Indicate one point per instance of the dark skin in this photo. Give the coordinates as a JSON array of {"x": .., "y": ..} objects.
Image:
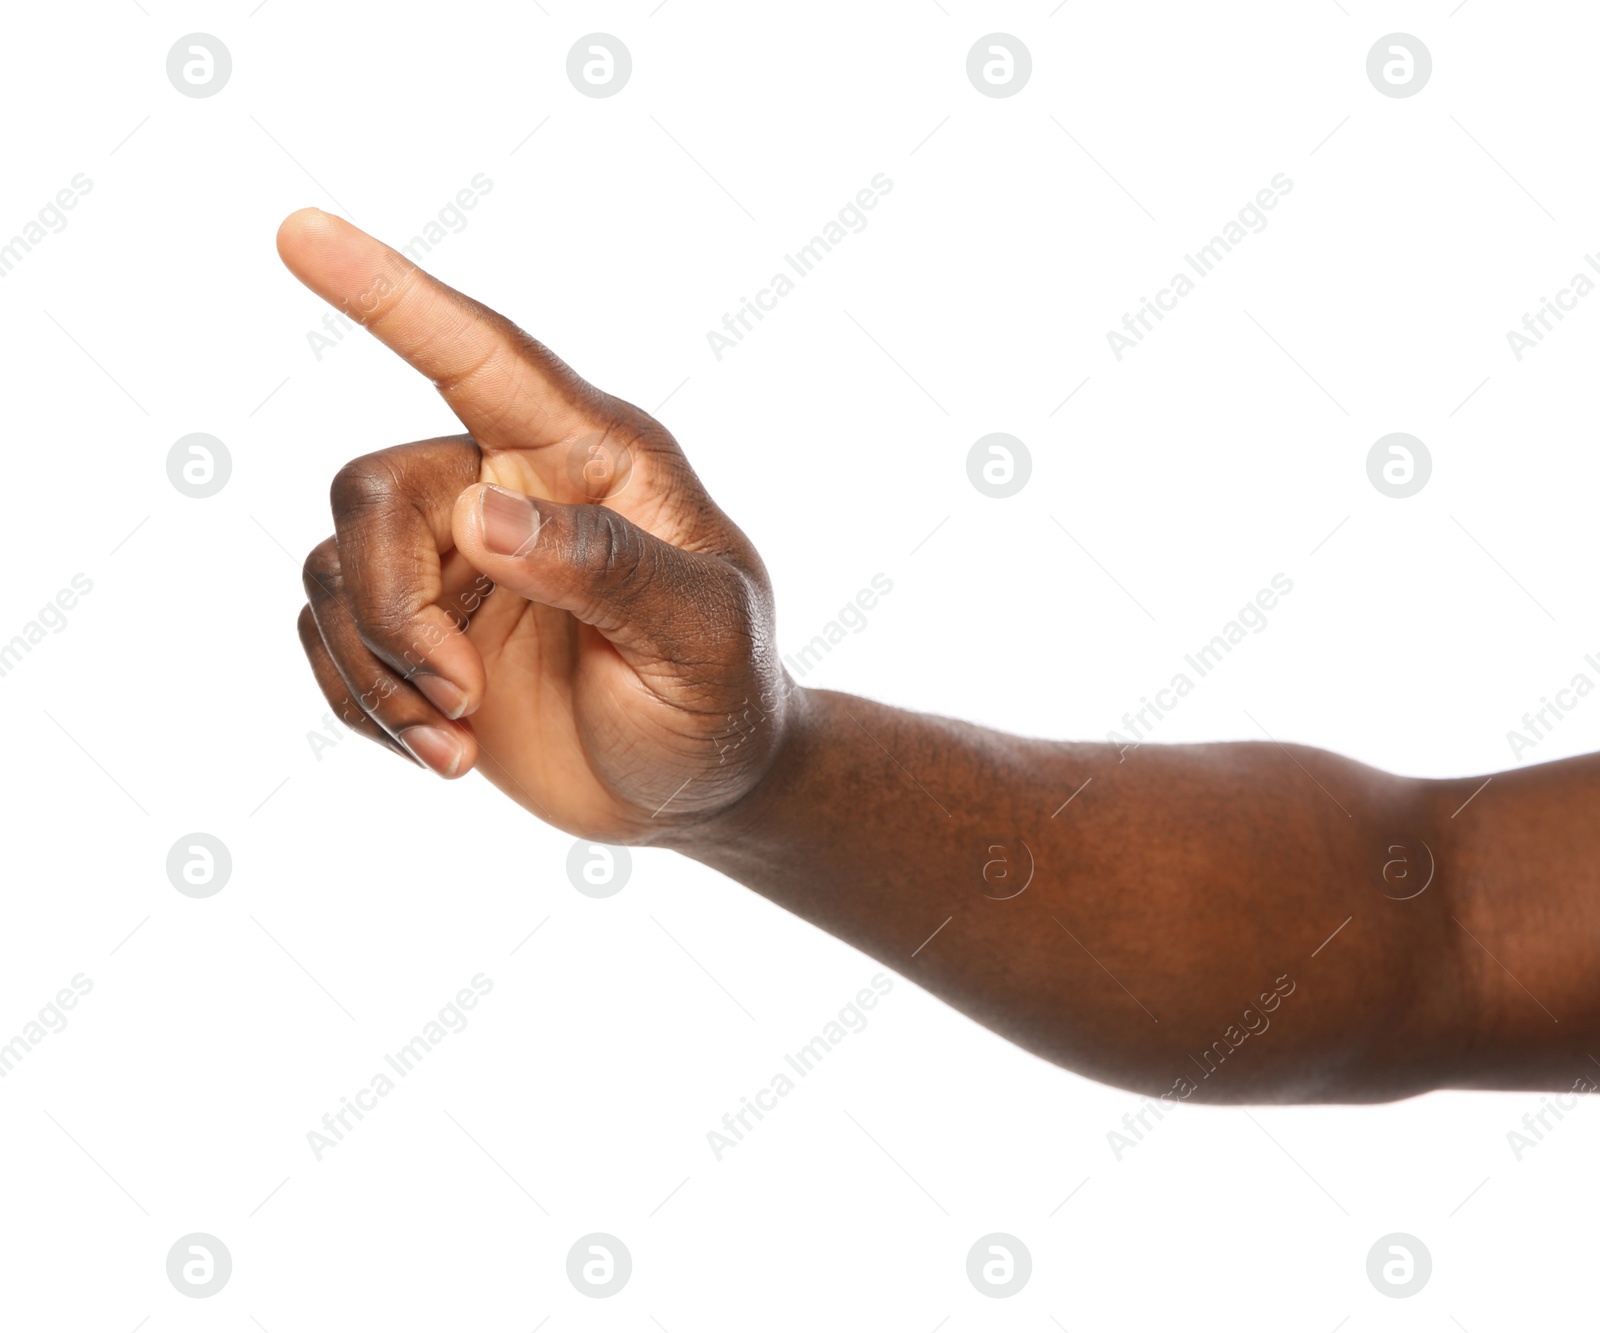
[{"x": 553, "y": 599}]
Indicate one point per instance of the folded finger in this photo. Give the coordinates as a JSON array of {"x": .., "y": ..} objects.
[
  {"x": 333, "y": 687},
  {"x": 384, "y": 695},
  {"x": 391, "y": 511}
]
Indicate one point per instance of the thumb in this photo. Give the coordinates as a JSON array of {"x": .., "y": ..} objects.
[{"x": 656, "y": 603}]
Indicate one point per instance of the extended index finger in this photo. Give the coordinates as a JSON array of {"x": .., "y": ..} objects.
[{"x": 510, "y": 391}]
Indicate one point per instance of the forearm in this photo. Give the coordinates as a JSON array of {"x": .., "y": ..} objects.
[
  {"x": 1180, "y": 896},
  {"x": 1523, "y": 859}
]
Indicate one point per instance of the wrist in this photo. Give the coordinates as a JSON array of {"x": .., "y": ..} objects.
[{"x": 797, "y": 719}]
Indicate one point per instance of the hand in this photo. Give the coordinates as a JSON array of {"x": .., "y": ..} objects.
[{"x": 553, "y": 598}]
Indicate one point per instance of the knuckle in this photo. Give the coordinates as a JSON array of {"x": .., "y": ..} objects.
[
  {"x": 734, "y": 605},
  {"x": 716, "y": 614},
  {"x": 305, "y": 625},
  {"x": 320, "y": 573},
  {"x": 485, "y": 362},
  {"x": 392, "y": 635},
  {"x": 374, "y": 700},
  {"x": 387, "y": 291},
  {"x": 614, "y": 552},
  {"x": 362, "y": 485}
]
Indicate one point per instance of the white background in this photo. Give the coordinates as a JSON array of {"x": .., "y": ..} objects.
[{"x": 364, "y": 894}]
